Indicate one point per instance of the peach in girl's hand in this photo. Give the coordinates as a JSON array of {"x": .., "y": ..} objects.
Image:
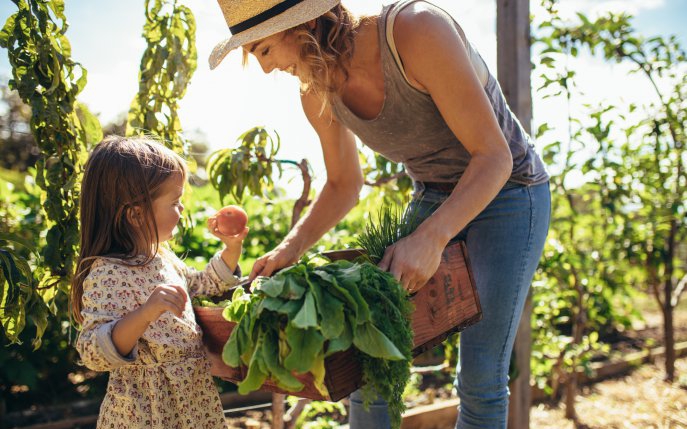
[{"x": 231, "y": 220}]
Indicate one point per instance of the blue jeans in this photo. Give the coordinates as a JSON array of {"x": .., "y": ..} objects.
[{"x": 505, "y": 242}]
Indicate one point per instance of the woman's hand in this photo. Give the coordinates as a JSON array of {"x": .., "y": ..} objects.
[
  {"x": 277, "y": 258},
  {"x": 170, "y": 298},
  {"x": 413, "y": 260}
]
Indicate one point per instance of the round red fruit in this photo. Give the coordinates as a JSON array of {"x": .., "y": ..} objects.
[{"x": 231, "y": 220}]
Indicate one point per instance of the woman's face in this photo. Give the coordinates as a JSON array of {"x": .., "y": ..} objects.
[{"x": 279, "y": 51}]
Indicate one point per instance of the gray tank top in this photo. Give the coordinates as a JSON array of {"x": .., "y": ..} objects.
[{"x": 410, "y": 129}]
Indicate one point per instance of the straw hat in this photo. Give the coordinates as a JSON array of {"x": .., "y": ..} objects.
[{"x": 251, "y": 20}]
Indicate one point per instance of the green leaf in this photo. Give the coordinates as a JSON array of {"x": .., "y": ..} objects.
[
  {"x": 292, "y": 288},
  {"x": 348, "y": 288},
  {"x": 256, "y": 375},
  {"x": 90, "y": 124},
  {"x": 330, "y": 310},
  {"x": 280, "y": 375},
  {"x": 371, "y": 341},
  {"x": 272, "y": 286},
  {"x": 342, "y": 342},
  {"x": 305, "y": 345},
  {"x": 307, "y": 316},
  {"x": 231, "y": 354}
]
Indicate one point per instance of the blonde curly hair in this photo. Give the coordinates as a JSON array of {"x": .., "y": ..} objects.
[{"x": 325, "y": 51}]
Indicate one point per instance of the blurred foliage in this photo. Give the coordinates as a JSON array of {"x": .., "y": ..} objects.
[
  {"x": 47, "y": 80},
  {"x": 18, "y": 149},
  {"x": 248, "y": 167},
  {"x": 318, "y": 414},
  {"x": 381, "y": 172},
  {"x": 618, "y": 220}
]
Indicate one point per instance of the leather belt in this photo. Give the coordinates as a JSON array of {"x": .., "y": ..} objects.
[{"x": 440, "y": 186}]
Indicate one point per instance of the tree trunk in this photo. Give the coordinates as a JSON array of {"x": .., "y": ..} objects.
[
  {"x": 514, "y": 76},
  {"x": 278, "y": 410},
  {"x": 579, "y": 322},
  {"x": 668, "y": 328}
]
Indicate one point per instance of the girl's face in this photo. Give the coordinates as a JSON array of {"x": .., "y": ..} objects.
[
  {"x": 167, "y": 207},
  {"x": 279, "y": 51}
]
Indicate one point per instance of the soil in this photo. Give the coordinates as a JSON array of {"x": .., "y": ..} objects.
[{"x": 639, "y": 400}]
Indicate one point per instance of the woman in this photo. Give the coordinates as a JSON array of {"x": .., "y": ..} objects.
[{"x": 411, "y": 87}]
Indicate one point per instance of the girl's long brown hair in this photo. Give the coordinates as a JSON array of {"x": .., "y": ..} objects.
[{"x": 121, "y": 175}]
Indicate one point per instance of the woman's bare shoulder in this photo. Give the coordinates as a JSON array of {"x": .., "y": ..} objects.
[
  {"x": 419, "y": 17},
  {"x": 428, "y": 41}
]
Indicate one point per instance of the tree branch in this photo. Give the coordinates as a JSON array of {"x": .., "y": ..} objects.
[
  {"x": 385, "y": 180},
  {"x": 303, "y": 201}
]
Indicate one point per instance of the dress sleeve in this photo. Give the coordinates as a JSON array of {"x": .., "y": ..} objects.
[
  {"x": 108, "y": 296},
  {"x": 214, "y": 280}
]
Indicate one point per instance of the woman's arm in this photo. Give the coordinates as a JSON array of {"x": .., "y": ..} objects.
[
  {"x": 338, "y": 196},
  {"x": 436, "y": 61}
]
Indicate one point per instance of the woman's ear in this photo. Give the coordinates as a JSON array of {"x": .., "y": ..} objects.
[{"x": 134, "y": 215}]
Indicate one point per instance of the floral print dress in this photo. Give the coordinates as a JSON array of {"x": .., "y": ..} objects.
[{"x": 165, "y": 382}]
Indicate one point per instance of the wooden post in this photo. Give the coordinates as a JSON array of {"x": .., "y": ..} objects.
[
  {"x": 278, "y": 409},
  {"x": 514, "y": 69}
]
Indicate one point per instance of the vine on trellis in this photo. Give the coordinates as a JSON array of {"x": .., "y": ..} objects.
[
  {"x": 167, "y": 66},
  {"x": 47, "y": 79}
]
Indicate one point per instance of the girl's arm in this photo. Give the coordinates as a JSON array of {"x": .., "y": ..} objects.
[
  {"x": 116, "y": 313},
  {"x": 436, "y": 61},
  {"x": 223, "y": 270},
  {"x": 129, "y": 329},
  {"x": 338, "y": 196}
]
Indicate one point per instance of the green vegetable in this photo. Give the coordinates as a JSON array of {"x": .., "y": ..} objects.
[
  {"x": 206, "y": 301},
  {"x": 295, "y": 319},
  {"x": 392, "y": 224}
]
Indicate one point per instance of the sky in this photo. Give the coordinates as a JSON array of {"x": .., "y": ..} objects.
[{"x": 223, "y": 103}]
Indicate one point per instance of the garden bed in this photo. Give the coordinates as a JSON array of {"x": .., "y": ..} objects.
[{"x": 640, "y": 399}]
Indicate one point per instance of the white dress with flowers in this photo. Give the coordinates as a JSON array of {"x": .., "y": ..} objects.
[{"x": 165, "y": 382}]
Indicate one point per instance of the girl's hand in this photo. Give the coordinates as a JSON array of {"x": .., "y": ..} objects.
[
  {"x": 277, "y": 258},
  {"x": 231, "y": 241},
  {"x": 170, "y": 298},
  {"x": 413, "y": 260}
]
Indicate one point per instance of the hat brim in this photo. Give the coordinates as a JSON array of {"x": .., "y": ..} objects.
[{"x": 296, "y": 15}]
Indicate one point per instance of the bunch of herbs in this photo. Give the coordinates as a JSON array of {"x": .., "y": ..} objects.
[{"x": 392, "y": 224}]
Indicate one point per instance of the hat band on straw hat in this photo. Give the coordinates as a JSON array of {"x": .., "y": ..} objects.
[
  {"x": 277, "y": 16},
  {"x": 264, "y": 16}
]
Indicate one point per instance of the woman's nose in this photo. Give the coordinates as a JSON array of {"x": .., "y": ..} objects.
[{"x": 267, "y": 66}]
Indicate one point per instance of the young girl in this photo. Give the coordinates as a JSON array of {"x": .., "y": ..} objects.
[{"x": 131, "y": 293}]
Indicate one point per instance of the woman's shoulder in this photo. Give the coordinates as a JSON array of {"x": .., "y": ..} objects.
[
  {"x": 424, "y": 34},
  {"x": 419, "y": 16}
]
